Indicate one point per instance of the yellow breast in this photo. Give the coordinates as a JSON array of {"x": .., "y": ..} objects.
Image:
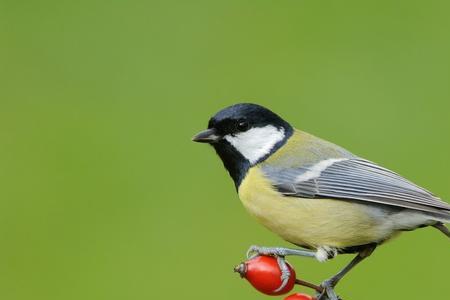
[{"x": 308, "y": 222}]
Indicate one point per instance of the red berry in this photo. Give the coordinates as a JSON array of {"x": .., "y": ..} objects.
[
  {"x": 264, "y": 274},
  {"x": 299, "y": 296}
]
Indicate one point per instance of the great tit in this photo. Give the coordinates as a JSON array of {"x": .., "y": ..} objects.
[{"x": 315, "y": 194}]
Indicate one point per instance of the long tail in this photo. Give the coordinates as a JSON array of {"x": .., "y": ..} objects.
[{"x": 442, "y": 228}]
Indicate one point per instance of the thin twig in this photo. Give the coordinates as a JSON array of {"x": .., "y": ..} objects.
[{"x": 310, "y": 285}]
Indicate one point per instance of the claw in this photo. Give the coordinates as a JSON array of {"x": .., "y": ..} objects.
[
  {"x": 328, "y": 291},
  {"x": 285, "y": 273},
  {"x": 252, "y": 251}
]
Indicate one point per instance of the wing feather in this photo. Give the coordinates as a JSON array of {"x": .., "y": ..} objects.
[{"x": 356, "y": 179}]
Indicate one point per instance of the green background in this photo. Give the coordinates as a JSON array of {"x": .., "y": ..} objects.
[{"x": 104, "y": 196}]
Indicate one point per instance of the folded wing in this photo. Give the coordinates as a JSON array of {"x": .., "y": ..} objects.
[{"x": 355, "y": 179}]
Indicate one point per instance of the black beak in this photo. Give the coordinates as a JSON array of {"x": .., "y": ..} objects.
[{"x": 207, "y": 136}]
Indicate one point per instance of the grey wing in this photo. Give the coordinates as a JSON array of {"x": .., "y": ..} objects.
[{"x": 355, "y": 179}]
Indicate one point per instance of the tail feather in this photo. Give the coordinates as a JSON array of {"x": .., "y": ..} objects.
[{"x": 442, "y": 228}]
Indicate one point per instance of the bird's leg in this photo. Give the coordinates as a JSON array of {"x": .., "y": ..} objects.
[
  {"x": 280, "y": 254},
  {"x": 278, "y": 251},
  {"x": 328, "y": 285}
]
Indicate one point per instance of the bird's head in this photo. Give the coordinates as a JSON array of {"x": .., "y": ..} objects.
[{"x": 243, "y": 135}]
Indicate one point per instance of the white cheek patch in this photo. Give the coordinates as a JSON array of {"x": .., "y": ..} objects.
[{"x": 257, "y": 142}]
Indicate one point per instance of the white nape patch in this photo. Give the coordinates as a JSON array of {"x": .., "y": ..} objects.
[
  {"x": 324, "y": 253},
  {"x": 256, "y": 142},
  {"x": 317, "y": 169}
]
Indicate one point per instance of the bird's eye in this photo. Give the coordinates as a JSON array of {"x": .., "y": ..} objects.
[{"x": 242, "y": 125}]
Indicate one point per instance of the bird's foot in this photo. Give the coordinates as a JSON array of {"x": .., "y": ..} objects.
[
  {"x": 277, "y": 251},
  {"x": 328, "y": 292},
  {"x": 280, "y": 254}
]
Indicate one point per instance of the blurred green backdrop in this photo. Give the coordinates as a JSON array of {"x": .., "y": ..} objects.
[{"x": 104, "y": 196}]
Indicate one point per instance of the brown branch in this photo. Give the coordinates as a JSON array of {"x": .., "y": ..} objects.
[{"x": 318, "y": 289}]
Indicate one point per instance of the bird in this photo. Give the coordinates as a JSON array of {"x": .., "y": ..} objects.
[{"x": 314, "y": 194}]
